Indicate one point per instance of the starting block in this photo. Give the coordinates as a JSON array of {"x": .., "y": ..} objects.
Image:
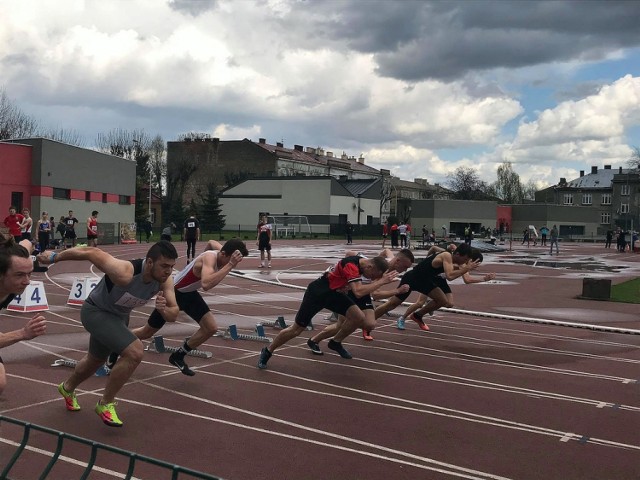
[
  {"x": 232, "y": 333},
  {"x": 80, "y": 290},
  {"x": 33, "y": 299},
  {"x": 278, "y": 323},
  {"x": 157, "y": 346},
  {"x": 103, "y": 371}
]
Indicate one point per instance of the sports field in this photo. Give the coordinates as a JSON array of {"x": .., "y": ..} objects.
[{"x": 501, "y": 387}]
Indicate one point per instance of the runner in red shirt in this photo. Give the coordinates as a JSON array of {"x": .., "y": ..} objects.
[
  {"x": 92, "y": 229},
  {"x": 330, "y": 292},
  {"x": 13, "y": 222}
]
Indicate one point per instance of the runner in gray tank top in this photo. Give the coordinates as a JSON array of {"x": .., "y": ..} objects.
[{"x": 105, "y": 315}]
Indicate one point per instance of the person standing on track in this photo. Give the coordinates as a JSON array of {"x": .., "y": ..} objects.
[
  {"x": 70, "y": 229},
  {"x": 92, "y": 229},
  {"x": 329, "y": 291},
  {"x": 13, "y": 222},
  {"x": 264, "y": 242},
  {"x": 43, "y": 227},
  {"x": 15, "y": 274},
  {"x": 205, "y": 272},
  {"x": 105, "y": 315},
  {"x": 191, "y": 233}
]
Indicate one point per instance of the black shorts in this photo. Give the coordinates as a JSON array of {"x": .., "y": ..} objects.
[
  {"x": 190, "y": 303},
  {"x": 70, "y": 234},
  {"x": 422, "y": 284},
  {"x": 364, "y": 303},
  {"x": 92, "y": 237},
  {"x": 264, "y": 245},
  {"x": 318, "y": 296}
]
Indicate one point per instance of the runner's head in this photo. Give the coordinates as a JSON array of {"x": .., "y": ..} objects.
[
  {"x": 402, "y": 261},
  {"x": 15, "y": 266}
]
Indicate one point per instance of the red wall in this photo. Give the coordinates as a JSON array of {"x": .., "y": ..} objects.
[
  {"x": 503, "y": 215},
  {"x": 15, "y": 161}
]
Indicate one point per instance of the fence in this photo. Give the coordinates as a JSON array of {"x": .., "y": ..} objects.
[{"x": 133, "y": 460}]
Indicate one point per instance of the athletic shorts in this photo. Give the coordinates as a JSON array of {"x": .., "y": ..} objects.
[
  {"x": 190, "y": 303},
  {"x": 109, "y": 332},
  {"x": 70, "y": 234},
  {"x": 91, "y": 237},
  {"x": 364, "y": 303},
  {"x": 422, "y": 284},
  {"x": 318, "y": 296},
  {"x": 264, "y": 245}
]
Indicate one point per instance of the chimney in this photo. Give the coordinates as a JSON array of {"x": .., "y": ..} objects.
[
  {"x": 607, "y": 167},
  {"x": 298, "y": 148},
  {"x": 582, "y": 173},
  {"x": 329, "y": 154},
  {"x": 262, "y": 140},
  {"x": 344, "y": 156},
  {"x": 361, "y": 159},
  {"x": 311, "y": 150},
  {"x": 321, "y": 151},
  {"x": 280, "y": 144},
  {"x": 563, "y": 181},
  {"x": 620, "y": 170},
  {"x": 594, "y": 169}
]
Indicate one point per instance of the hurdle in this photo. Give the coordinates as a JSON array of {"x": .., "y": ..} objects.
[
  {"x": 232, "y": 332},
  {"x": 157, "y": 346},
  {"x": 103, "y": 371}
]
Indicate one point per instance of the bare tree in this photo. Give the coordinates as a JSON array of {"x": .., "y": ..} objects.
[
  {"x": 158, "y": 164},
  {"x": 529, "y": 190},
  {"x": 466, "y": 185},
  {"x": 70, "y": 137},
  {"x": 634, "y": 159},
  {"x": 508, "y": 186},
  {"x": 14, "y": 123}
]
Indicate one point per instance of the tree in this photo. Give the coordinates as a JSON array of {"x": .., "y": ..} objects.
[
  {"x": 466, "y": 185},
  {"x": 634, "y": 159},
  {"x": 14, "y": 123},
  {"x": 70, "y": 137},
  {"x": 210, "y": 211},
  {"x": 508, "y": 187},
  {"x": 134, "y": 145}
]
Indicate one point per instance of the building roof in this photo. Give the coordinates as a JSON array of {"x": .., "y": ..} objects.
[
  {"x": 358, "y": 187},
  {"x": 317, "y": 156}
]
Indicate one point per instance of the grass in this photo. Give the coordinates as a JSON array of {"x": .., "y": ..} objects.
[{"x": 626, "y": 292}]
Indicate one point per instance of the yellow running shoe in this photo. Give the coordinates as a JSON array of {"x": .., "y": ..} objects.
[
  {"x": 70, "y": 400},
  {"x": 108, "y": 414}
]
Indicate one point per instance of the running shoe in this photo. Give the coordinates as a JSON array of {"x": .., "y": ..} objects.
[
  {"x": 421, "y": 324},
  {"x": 265, "y": 355},
  {"x": 269, "y": 265},
  {"x": 108, "y": 414},
  {"x": 400, "y": 323},
  {"x": 367, "y": 335},
  {"x": 315, "y": 348},
  {"x": 70, "y": 400},
  {"x": 178, "y": 361},
  {"x": 338, "y": 348},
  {"x": 111, "y": 361}
]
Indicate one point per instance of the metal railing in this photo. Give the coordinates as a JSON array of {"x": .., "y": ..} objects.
[{"x": 96, "y": 447}]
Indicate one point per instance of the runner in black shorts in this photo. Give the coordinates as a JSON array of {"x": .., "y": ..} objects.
[
  {"x": 329, "y": 291},
  {"x": 430, "y": 278}
]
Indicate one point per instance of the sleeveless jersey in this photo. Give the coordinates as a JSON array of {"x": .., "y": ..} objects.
[
  {"x": 92, "y": 229},
  {"x": 121, "y": 300},
  {"x": 44, "y": 226},
  {"x": 426, "y": 269},
  {"x": 187, "y": 281},
  {"x": 191, "y": 224},
  {"x": 263, "y": 231}
]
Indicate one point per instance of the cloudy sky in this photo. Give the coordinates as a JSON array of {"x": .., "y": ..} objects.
[{"x": 417, "y": 87}]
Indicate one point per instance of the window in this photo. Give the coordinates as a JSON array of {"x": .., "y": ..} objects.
[
  {"x": 62, "y": 193},
  {"x": 124, "y": 200},
  {"x": 104, "y": 198},
  {"x": 568, "y": 199},
  {"x": 624, "y": 189},
  {"x": 624, "y": 208},
  {"x": 87, "y": 196},
  {"x": 586, "y": 199},
  {"x": 605, "y": 218},
  {"x": 606, "y": 199}
]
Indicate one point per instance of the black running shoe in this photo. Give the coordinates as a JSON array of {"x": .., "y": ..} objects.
[
  {"x": 315, "y": 348},
  {"x": 338, "y": 348},
  {"x": 265, "y": 355},
  {"x": 178, "y": 361},
  {"x": 111, "y": 361}
]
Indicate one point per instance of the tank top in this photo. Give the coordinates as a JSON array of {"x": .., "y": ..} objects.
[
  {"x": 93, "y": 227},
  {"x": 425, "y": 268},
  {"x": 121, "y": 300},
  {"x": 187, "y": 281},
  {"x": 44, "y": 226}
]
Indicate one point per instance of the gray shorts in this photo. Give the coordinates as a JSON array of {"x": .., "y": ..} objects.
[{"x": 109, "y": 332}]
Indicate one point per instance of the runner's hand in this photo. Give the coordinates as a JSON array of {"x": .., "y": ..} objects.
[
  {"x": 35, "y": 327},
  {"x": 161, "y": 302},
  {"x": 236, "y": 258}
]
